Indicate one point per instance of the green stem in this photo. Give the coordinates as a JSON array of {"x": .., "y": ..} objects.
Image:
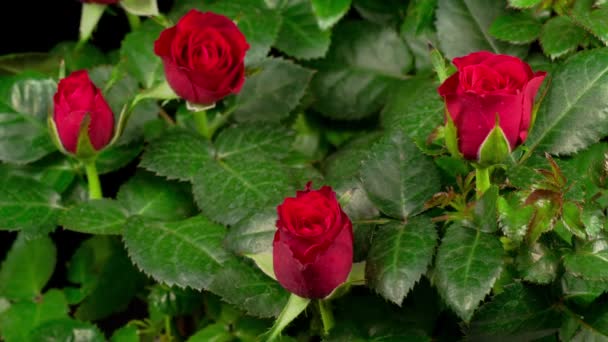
[
  {"x": 134, "y": 21},
  {"x": 327, "y": 316},
  {"x": 93, "y": 180},
  {"x": 219, "y": 120},
  {"x": 295, "y": 305},
  {"x": 201, "y": 124},
  {"x": 482, "y": 180}
]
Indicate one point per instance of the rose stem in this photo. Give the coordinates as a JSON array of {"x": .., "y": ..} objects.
[
  {"x": 200, "y": 121},
  {"x": 93, "y": 180},
  {"x": 327, "y": 316},
  {"x": 134, "y": 21},
  {"x": 219, "y": 121},
  {"x": 482, "y": 179}
]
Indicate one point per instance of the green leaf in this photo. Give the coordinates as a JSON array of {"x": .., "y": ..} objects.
[
  {"x": 117, "y": 156},
  {"x": 589, "y": 262},
  {"x": 272, "y": 141},
  {"x": 128, "y": 333},
  {"x": 155, "y": 197},
  {"x": 523, "y": 3},
  {"x": 300, "y": 36},
  {"x": 29, "y": 95},
  {"x": 485, "y": 211},
  {"x": 257, "y": 22},
  {"x": 537, "y": 263},
  {"x": 190, "y": 253},
  {"x": 28, "y": 266},
  {"x": 582, "y": 291},
  {"x": 329, "y": 12},
  {"x": 17, "y": 63},
  {"x": 140, "y": 7},
  {"x": 137, "y": 50},
  {"x": 55, "y": 171},
  {"x": 177, "y": 155},
  {"x": 592, "y": 18},
  {"x": 273, "y": 92},
  {"x": 215, "y": 332},
  {"x": 66, "y": 330},
  {"x": 560, "y": 36},
  {"x": 253, "y": 234},
  {"x": 397, "y": 177},
  {"x": 467, "y": 265},
  {"x": 386, "y": 12},
  {"x": 27, "y": 204},
  {"x": 227, "y": 190},
  {"x": 517, "y": 314},
  {"x": 399, "y": 255},
  {"x": 414, "y": 108},
  {"x": 516, "y": 28},
  {"x": 78, "y": 56},
  {"x": 571, "y": 116},
  {"x": 462, "y": 27},
  {"x": 23, "y": 317},
  {"x": 102, "y": 216},
  {"x": 104, "y": 294},
  {"x": 354, "y": 78}
]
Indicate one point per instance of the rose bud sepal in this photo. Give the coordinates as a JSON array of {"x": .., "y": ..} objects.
[
  {"x": 495, "y": 148},
  {"x": 450, "y": 134},
  {"x": 91, "y": 13},
  {"x": 294, "y": 307}
]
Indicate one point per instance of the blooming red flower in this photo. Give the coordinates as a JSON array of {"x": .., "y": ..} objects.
[
  {"x": 77, "y": 97},
  {"x": 313, "y": 246},
  {"x": 203, "y": 56},
  {"x": 487, "y": 84}
]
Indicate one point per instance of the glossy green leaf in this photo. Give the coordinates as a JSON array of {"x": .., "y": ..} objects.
[
  {"x": 102, "y": 216},
  {"x": 154, "y": 197},
  {"x": 300, "y": 35},
  {"x": 67, "y": 330},
  {"x": 467, "y": 265},
  {"x": 517, "y": 314},
  {"x": 23, "y": 317},
  {"x": 128, "y": 333},
  {"x": 516, "y": 28},
  {"x": 485, "y": 212},
  {"x": 537, "y": 263},
  {"x": 27, "y": 204},
  {"x": 177, "y": 155},
  {"x": 386, "y": 12},
  {"x": 414, "y": 108},
  {"x": 462, "y": 27},
  {"x": 560, "y": 36},
  {"x": 137, "y": 50},
  {"x": 329, "y": 12},
  {"x": 118, "y": 156},
  {"x": 399, "y": 255},
  {"x": 272, "y": 141},
  {"x": 227, "y": 190},
  {"x": 397, "y": 177},
  {"x": 592, "y": 15},
  {"x": 215, "y": 332},
  {"x": 55, "y": 171},
  {"x": 582, "y": 291},
  {"x": 273, "y": 92},
  {"x": 253, "y": 234},
  {"x": 354, "y": 78},
  {"x": 589, "y": 262},
  {"x": 571, "y": 116}
]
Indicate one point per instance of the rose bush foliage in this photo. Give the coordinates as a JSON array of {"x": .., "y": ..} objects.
[{"x": 457, "y": 150}]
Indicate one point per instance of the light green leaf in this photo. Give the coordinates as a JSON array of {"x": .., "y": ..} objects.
[
  {"x": 140, "y": 7},
  {"x": 89, "y": 17},
  {"x": 28, "y": 266},
  {"x": 571, "y": 116},
  {"x": 137, "y": 50},
  {"x": 273, "y": 92},
  {"x": 128, "y": 333},
  {"x": 467, "y": 265},
  {"x": 516, "y": 28},
  {"x": 300, "y": 36},
  {"x": 397, "y": 177},
  {"x": 67, "y": 330},
  {"x": 329, "y": 12},
  {"x": 517, "y": 314},
  {"x": 523, "y": 3},
  {"x": 27, "y": 204},
  {"x": 560, "y": 36},
  {"x": 179, "y": 154},
  {"x": 215, "y": 332},
  {"x": 155, "y": 197},
  {"x": 23, "y": 317},
  {"x": 462, "y": 27},
  {"x": 399, "y": 256},
  {"x": 364, "y": 61},
  {"x": 102, "y": 216}
]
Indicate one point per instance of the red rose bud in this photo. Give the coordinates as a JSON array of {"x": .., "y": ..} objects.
[
  {"x": 203, "y": 56},
  {"x": 76, "y": 98},
  {"x": 488, "y": 90},
  {"x": 313, "y": 246}
]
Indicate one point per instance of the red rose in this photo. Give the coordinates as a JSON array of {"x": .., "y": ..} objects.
[
  {"x": 203, "y": 57},
  {"x": 487, "y": 84},
  {"x": 104, "y": 2},
  {"x": 77, "y": 97},
  {"x": 313, "y": 246}
]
